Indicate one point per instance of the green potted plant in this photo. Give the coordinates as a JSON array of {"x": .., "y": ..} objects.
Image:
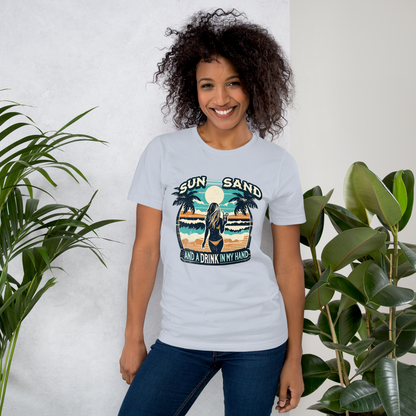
[
  {"x": 372, "y": 321},
  {"x": 30, "y": 233}
]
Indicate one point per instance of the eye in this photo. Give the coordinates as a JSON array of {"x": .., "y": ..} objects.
[
  {"x": 206, "y": 86},
  {"x": 234, "y": 83}
]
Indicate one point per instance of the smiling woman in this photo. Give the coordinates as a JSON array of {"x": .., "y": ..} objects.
[{"x": 223, "y": 298}]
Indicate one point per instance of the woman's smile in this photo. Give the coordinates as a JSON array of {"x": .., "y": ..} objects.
[{"x": 222, "y": 113}]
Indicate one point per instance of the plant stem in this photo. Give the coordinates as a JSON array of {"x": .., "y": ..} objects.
[
  {"x": 396, "y": 256},
  {"x": 7, "y": 365},
  {"x": 369, "y": 325},
  {"x": 315, "y": 260},
  {"x": 342, "y": 372},
  {"x": 394, "y": 261}
]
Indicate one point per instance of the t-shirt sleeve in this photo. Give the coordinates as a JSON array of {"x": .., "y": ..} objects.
[
  {"x": 147, "y": 187},
  {"x": 286, "y": 207}
]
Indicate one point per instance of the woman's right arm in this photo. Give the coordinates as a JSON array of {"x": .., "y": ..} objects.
[
  {"x": 205, "y": 234},
  {"x": 142, "y": 275}
]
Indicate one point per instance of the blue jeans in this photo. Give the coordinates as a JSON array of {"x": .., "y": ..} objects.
[{"x": 170, "y": 379}]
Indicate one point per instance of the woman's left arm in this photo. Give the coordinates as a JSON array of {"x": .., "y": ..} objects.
[{"x": 290, "y": 278}]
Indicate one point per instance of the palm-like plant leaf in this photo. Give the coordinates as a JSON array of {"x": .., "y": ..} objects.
[{"x": 37, "y": 235}]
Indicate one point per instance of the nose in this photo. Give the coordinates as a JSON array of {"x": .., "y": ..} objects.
[{"x": 221, "y": 96}]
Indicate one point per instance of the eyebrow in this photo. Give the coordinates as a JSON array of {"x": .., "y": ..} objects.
[{"x": 210, "y": 79}]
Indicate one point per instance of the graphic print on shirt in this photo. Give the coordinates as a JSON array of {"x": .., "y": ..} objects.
[{"x": 214, "y": 221}]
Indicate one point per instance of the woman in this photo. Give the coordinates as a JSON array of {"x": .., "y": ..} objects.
[
  {"x": 214, "y": 227},
  {"x": 228, "y": 85}
]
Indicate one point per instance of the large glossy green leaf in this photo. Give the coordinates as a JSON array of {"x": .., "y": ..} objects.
[
  {"x": 406, "y": 322},
  {"x": 381, "y": 292},
  {"x": 334, "y": 375},
  {"x": 331, "y": 399},
  {"x": 412, "y": 309},
  {"x": 396, "y": 383},
  {"x": 346, "y": 326},
  {"x": 404, "y": 341},
  {"x": 323, "y": 323},
  {"x": 342, "y": 219},
  {"x": 375, "y": 196},
  {"x": 321, "y": 408},
  {"x": 375, "y": 355},
  {"x": 351, "y": 245},
  {"x": 316, "y": 191},
  {"x": 345, "y": 287},
  {"x": 409, "y": 182},
  {"x": 314, "y": 207},
  {"x": 369, "y": 376},
  {"x": 360, "y": 397},
  {"x": 319, "y": 295},
  {"x": 407, "y": 383},
  {"x": 355, "y": 348},
  {"x": 352, "y": 202},
  {"x": 405, "y": 269},
  {"x": 387, "y": 383},
  {"x": 356, "y": 277},
  {"x": 399, "y": 190},
  {"x": 310, "y": 328},
  {"x": 310, "y": 273},
  {"x": 318, "y": 298},
  {"x": 332, "y": 364},
  {"x": 409, "y": 254},
  {"x": 315, "y": 371}
]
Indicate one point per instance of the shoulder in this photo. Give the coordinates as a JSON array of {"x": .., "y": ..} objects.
[
  {"x": 168, "y": 144},
  {"x": 279, "y": 162},
  {"x": 174, "y": 139},
  {"x": 271, "y": 152}
]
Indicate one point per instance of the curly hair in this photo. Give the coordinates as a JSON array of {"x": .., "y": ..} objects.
[{"x": 261, "y": 63}]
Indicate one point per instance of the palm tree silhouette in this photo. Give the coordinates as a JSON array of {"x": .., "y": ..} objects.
[
  {"x": 243, "y": 204},
  {"x": 186, "y": 202}
]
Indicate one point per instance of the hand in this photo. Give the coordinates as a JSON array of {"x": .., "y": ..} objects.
[
  {"x": 291, "y": 386},
  {"x": 131, "y": 359}
]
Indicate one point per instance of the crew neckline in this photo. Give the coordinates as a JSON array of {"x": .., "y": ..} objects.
[{"x": 210, "y": 149}]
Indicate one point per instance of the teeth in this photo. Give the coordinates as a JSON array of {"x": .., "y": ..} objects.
[{"x": 222, "y": 113}]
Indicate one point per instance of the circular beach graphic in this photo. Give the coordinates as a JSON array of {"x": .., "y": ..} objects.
[{"x": 214, "y": 219}]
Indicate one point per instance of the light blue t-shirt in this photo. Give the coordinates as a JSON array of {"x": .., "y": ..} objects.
[{"x": 219, "y": 289}]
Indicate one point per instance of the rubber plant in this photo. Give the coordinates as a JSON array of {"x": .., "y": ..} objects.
[
  {"x": 372, "y": 322},
  {"x": 32, "y": 234}
]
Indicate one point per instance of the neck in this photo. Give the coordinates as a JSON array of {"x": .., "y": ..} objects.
[{"x": 225, "y": 139}]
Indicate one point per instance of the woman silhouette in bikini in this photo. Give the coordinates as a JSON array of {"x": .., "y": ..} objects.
[{"x": 214, "y": 226}]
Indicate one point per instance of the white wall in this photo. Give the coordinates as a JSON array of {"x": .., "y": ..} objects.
[
  {"x": 64, "y": 57},
  {"x": 355, "y": 67}
]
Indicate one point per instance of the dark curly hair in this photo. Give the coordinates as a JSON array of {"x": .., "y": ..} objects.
[{"x": 261, "y": 63}]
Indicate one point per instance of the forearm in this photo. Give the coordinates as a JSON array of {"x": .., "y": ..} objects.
[
  {"x": 142, "y": 277},
  {"x": 292, "y": 288}
]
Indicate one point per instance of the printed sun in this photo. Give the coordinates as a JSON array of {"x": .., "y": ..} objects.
[{"x": 214, "y": 194}]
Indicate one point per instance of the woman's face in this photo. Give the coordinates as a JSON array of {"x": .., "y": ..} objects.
[{"x": 220, "y": 93}]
